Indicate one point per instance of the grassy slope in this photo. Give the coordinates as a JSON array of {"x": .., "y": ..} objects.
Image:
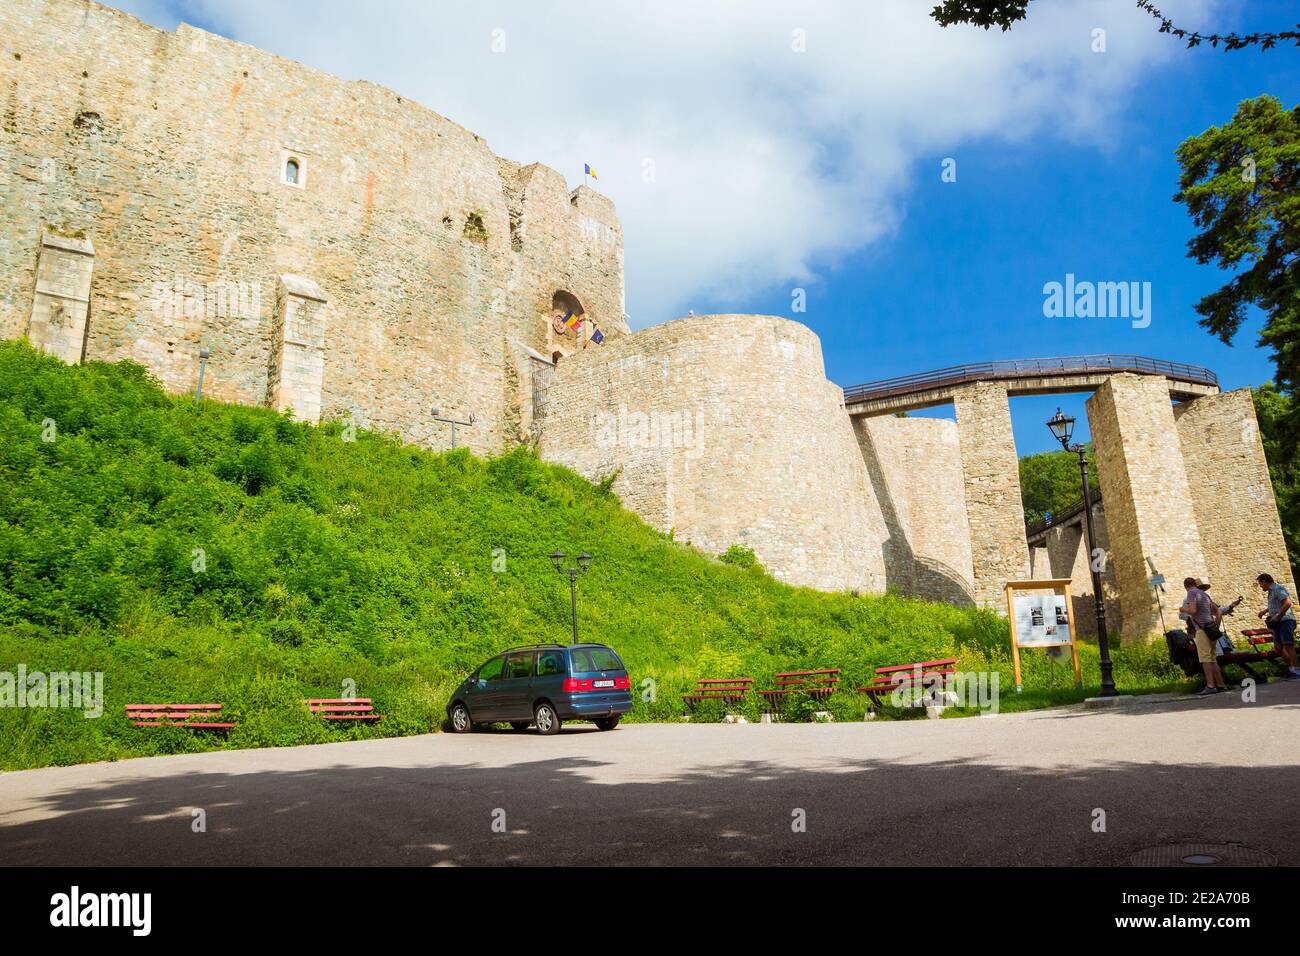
[{"x": 330, "y": 560}]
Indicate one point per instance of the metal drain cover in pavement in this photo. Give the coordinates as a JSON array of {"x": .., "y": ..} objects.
[{"x": 1202, "y": 854}]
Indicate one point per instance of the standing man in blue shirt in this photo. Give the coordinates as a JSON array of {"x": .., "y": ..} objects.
[{"x": 1279, "y": 616}]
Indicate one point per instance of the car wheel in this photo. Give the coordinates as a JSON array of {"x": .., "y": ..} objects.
[
  {"x": 607, "y": 723},
  {"x": 518, "y": 725},
  {"x": 548, "y": 722},
  {"x": 460, "y": 722}
]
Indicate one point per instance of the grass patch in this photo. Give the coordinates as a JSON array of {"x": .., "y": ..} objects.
[{"x": 208, "y": 552}]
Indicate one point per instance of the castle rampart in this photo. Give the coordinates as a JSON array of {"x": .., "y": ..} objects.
[
  {"x": 204, "y": 171},
  {"x": 724, "y": 430}
]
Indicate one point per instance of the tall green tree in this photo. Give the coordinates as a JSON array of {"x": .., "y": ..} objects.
[
  {"x": 1241, "y": 184},
  {"x": 1049, "y": 482}
]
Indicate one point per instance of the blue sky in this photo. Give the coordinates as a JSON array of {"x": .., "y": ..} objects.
[
  {"x": 961, "y": 280},
  {"x": 819, "y": 168}
]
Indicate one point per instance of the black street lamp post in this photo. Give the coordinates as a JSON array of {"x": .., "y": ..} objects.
[
  {"x": 1062, "y": 427},
  {"x": 584, "y": 564}
]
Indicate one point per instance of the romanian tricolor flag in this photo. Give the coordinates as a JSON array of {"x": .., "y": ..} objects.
[
  {"x": 587, "y": 170},
  {"x": 572, "y": 321}
]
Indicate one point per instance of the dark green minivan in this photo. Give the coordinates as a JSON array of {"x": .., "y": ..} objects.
[{"x": 544, "y": 685}]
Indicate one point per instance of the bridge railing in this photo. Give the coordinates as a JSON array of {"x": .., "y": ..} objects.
[
  {"x": 1064, "y": 516},
  {"x": 1028, "y": 368}
]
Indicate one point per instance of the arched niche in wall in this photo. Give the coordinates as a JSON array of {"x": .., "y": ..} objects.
[{"x": 561, "y": 339}]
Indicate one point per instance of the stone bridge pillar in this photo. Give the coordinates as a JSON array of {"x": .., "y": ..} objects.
[
  {"x": 1236, "y": 512},
  {"x": 999, "y": 552},
  {"x": 1150, "y": 509}
]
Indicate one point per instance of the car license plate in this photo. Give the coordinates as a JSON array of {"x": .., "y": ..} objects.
[{"x": 602, "y": 683}]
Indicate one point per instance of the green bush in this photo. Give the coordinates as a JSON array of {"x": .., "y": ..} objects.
[{"x": 740, "y": 556}]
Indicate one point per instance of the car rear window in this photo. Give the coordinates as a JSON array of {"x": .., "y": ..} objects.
[{"x": 587, "y": 659}]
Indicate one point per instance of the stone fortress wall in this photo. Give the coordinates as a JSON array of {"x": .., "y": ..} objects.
[
  {"x": 408, "y": 268},
  {"x": 724, "y": 429},
  {"x": 342, "y": 252}
]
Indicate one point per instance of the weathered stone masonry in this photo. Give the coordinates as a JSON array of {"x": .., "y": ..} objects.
[
  {"x": 438, "y": 262},
  {"x": 996, "y": 517},
  {"x": 344, "y": 253},
  {"x": 724, "y": 429}
]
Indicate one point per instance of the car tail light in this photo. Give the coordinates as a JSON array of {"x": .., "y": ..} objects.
[{"x": 587, "y": 685}]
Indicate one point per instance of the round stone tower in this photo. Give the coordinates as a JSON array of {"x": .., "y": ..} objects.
[{"x": 724, "y": 429}]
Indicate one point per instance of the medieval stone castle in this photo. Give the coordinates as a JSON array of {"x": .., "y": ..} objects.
[{"x": 330, "y": 247}]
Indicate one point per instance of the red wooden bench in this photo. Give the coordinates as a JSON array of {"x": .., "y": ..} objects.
[
  {"x": 729, "y": 690},
  {"x": 816, "y": 684},
  {"x": 343, "y": 708},
  {"x": 922, "y": 674},
  {"x": 177, "y": 715},
  {"x": 1258, "y": 638}
]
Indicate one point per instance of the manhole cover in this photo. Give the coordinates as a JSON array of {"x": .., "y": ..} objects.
[{"x": 1202, "y": 854}]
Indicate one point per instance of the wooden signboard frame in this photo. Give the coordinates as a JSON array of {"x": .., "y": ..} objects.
[{"x": 1058, "y": 586}]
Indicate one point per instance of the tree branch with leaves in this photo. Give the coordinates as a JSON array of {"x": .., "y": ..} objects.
[
  {"x": 1004, "y": 13},
  {"x": 1240, "y": 183}
]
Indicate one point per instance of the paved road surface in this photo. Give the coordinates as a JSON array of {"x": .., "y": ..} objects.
[{"x": 1014, "y": 789}]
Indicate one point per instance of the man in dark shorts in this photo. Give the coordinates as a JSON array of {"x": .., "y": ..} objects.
[
  {"x": 1279, "y": 616},
  {"x": 1204, "y": 614}
]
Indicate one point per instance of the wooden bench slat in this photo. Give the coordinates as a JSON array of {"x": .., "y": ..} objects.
[
  {"x": 326, "y": 708},
  {"x": 349, "y": 716},
  {"x": 921, "y": 666},
  {"x": 181, "y": 707},
  {"x": 339, "y": 700}
]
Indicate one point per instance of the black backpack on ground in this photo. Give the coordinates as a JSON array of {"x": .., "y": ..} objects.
[{"x": 1182, "y": 652}]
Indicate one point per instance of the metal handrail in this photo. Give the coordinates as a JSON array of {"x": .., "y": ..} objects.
[
  {"x": 1066, "y": 514},
  {"x": 1028, "y": 368}
]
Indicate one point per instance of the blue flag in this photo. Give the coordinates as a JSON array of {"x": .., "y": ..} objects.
[{"x": 597, "y": 336}]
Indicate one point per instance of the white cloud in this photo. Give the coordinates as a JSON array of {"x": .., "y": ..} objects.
[{"x": 768, "y": 163}]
